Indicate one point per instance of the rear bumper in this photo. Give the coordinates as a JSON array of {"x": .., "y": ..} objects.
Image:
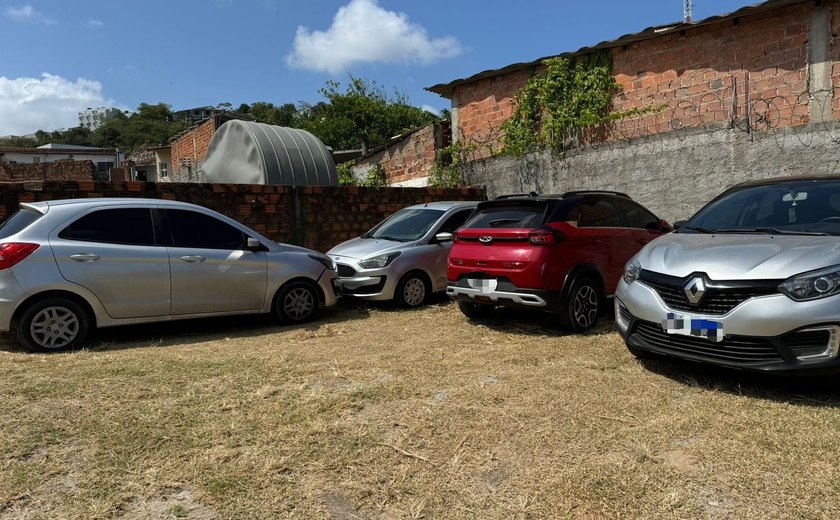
[
  {"x": 11, "y": 295},
  {"x": 499, "y": 292}
]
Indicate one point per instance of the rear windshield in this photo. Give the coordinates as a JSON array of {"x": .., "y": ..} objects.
[
  {"x": 507, "y": 217},
  {"x": 18, "y": 222}
]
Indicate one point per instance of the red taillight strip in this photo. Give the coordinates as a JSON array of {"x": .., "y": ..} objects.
[{"x": 13, "y": 252}]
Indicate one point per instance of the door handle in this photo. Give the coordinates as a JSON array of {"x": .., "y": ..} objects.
[
  {"x": 192, "y": 259},
  {"x": 85, "y": 257}
]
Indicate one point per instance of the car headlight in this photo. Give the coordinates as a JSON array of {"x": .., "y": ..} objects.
[
  {"x": 378, "y": 262},
  {"x": 812, "y": 285},
  {"x": 632, "y": 270},
  {"x": 326, "y": 261}
]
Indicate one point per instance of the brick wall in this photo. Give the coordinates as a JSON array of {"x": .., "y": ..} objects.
[
  {"x": 409, "y": 160},
  {"x": 189, "y": 150},
  {"x": 695, "y": 77},
  {"x": 58, "y": 171},
  {"x": 317, "y": 217}
]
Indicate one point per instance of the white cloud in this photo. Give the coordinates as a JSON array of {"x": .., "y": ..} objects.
[
  {"x": 28, "y": 14},
  {"x": 431, "y": 109},
  {"x": 93, "y": 23},
  {"x": 362, "y": 31},
  {"x": 46, "y": 103}
]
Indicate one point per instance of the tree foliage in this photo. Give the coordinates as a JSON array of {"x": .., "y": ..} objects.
[{"x": 552, "y": 108}]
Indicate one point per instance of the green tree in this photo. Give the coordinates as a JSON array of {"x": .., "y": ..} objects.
[{"x": 362, "y": 115}]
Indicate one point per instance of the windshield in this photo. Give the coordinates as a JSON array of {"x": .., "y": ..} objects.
[
  {"x": 804, "y": 207},
  {"x": 405, "y": 225}
]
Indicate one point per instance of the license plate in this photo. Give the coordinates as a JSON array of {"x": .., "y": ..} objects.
[
  {"x": 685, "y": 325},
  {"x": 485, "y": 286}
]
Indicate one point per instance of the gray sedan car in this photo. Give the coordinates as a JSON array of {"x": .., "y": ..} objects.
[
  {"x": 69, "y": 266},
  {"x": 404, "y": 257}
]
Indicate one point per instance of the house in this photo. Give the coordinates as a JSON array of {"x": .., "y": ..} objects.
[
  {"x": 103, "y": 159},
  {"x": 732, "y": 97},
  {"x": 195, "y": 114},
  {"x": 151, "y": 164},
  {"x": 92, "y": 118}
]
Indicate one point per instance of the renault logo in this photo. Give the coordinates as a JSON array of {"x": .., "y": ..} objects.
[
  {"x": 694, "y": 290},
  {"x": 485, "y": 239}
]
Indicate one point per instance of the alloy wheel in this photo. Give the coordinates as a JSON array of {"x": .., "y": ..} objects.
[
  {"x": 299, "y": 303},
  {"x": 585, "y": 306}
]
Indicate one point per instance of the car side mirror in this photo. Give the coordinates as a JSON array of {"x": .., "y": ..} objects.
[
  {"x": 665, "y": 226},
  {"x": 443, "y": 237},
  {"x": 252, "y": 244},
  {"x": 678, "y": 224}
]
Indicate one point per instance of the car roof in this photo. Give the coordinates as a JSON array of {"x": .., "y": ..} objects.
[
  {"x": 785, "y": 180},
  {"x": 446, "y": 204},
  {"x": 44, "y": 206}
]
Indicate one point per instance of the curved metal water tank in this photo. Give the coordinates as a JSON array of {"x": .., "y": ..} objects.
[{"x": 245, "y": 152}]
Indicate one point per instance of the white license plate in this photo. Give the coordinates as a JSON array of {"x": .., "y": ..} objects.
[
  {"x": 686, "y": 325},
  {"x": 485, "y": 286}
]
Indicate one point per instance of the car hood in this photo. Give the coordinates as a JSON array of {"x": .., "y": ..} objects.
[
  {"x": 359, "y": 248},
  {"x": 739, "y": 257}
]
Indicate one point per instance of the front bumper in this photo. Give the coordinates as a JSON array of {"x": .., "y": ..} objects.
[
  {"x": 763, "y": 334},
  {"x": 366, "y": 284},
  {"x": 330, "y": 286},
  {"x": 500, "y": 292}
]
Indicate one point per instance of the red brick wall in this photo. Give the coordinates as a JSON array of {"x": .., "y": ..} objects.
[
  {"x": 55, "y": 171},
  {"x": 328, "y": 215},
  {"x": 409, "y": 159},
  {"x": 189, "y": 150},
  {"x": 691, "y": 75}
]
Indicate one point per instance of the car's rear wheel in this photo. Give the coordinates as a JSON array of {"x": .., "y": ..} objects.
[
  {"x": 475, "y": 311},
  {"x": 413, "y": 290},
  {"x": 583, "y": 307},
  {"x": 52, "y": 325},
  {"x": 297, "y": 302}
]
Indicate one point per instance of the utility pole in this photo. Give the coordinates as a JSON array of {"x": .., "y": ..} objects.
[{"x": 688, "y": 11}]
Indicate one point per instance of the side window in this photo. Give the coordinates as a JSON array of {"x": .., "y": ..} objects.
[
  {"x": 132, "y": 226},
  {"x": 193, "y": 229},
  {"x": 595, "y": 213},
  {"x": 636, "y": 216},
  {"x": 455, "y": 221}
]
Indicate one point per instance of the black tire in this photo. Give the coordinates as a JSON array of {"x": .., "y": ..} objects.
[
  {"x": 53, "y": 325},
  {"x": 475, "y": 311},
  {"x": 297, "y": 302},
  {"x": 413, "y": 290},
  {"x": 583, "y": 307}
]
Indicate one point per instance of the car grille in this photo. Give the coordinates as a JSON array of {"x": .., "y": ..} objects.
[
  {"x": 808, "y": 342},
  {"x": 718, "y": 299},
  {"x": 345, "y": 271},
  {"x": 733, "y": 349}
]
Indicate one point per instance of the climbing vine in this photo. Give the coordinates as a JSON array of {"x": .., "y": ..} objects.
[
  {"x": 557, "y": 104},
  {"x": 445, "y": 173},
  {"x": 345, "y": 174},
  {"x": 375, "y": 177}
]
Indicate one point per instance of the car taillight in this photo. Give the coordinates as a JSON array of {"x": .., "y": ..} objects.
[
  {"x": 545, "y": 236},
  {"x": 13, "y": 252}
]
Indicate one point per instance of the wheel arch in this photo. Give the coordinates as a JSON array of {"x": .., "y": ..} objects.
[
  {"x": 414, "y": 270},
  {"x": 314, "y": 284},
  {"x": 582, "y": 271},
  {"x": 83, "y": 303}
]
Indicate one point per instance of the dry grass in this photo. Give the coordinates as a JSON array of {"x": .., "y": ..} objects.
[{"x": 379, "y": 413}]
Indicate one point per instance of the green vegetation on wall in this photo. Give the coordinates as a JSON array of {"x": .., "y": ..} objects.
[{"x": 556, "y": 104}]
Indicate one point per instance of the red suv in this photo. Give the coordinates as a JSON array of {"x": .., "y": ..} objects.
[{"x": 556, "y": 253}]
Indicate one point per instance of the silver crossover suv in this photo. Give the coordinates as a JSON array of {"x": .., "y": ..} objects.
[
  {"x": 751, "y": 281},
  {"x": 404, "y": 257},
  {"x": 68, "y": 266}
]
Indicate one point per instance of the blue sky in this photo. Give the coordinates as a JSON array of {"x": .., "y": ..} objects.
[{"x": 60, "y": 56}]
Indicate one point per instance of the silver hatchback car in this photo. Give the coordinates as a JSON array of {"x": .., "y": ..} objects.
[
  {"x": 69, "y": 266},
  {"x": 404, "y": 257},
  {"x": 751, "y": 281}
]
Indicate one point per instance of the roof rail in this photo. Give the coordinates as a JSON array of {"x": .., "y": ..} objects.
[
  {"x": 595, "y": 192},
  {"x": 529, "y": 194}
]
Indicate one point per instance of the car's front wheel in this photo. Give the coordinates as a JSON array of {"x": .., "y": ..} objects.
[
  {"x": 297, "y": 302},
  {"x": 413, "y": 290},
  {"x": 52, "y": 325},
  {"x": 583, "y": 307}
]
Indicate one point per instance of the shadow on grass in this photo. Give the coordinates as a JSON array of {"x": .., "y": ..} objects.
[
  {"x": 800, "y": 390},
  {"x": 182, "y": 332},
  {"x": 538, "y": 323}
]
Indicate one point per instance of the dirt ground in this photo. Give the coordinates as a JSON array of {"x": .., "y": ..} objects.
[{"x": 374, "y": 412}]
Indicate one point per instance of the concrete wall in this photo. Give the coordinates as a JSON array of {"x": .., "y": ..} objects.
[{"x": 673, "y": 173}]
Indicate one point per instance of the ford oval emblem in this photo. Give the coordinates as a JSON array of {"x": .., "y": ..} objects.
[{"x": 485, "y": 239}]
